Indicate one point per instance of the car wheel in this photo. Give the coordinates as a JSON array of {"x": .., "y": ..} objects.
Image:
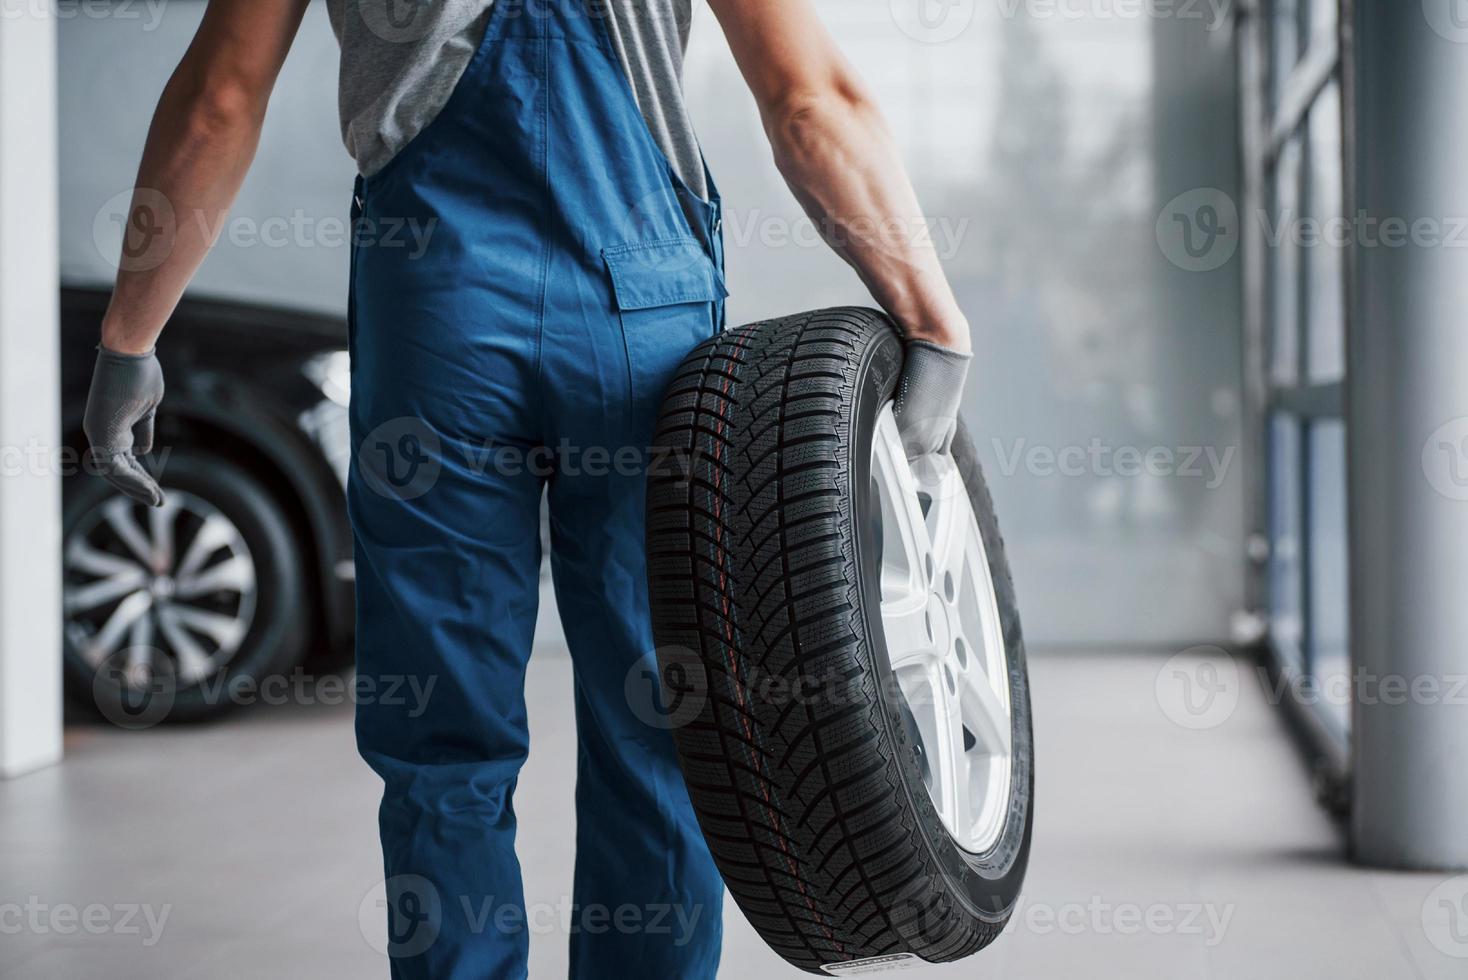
[
  {"x": 177, "y": 613},
  {"x": 859, "y": 752}
]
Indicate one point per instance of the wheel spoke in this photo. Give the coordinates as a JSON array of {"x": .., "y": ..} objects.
[
  {"x": 235, "y": 574},
  {"x": 160, "y": 526},
  {"x": 139, "y": 654},
  {"x": 84, "y": 598},
  {"x": 118, "y": 513},
  {"x": 949, "y": 759},
  {"x": 983, "y": 710},
  {"x": 225, "y": 631},
  {"x": 193, "y": 662},
  {"x": 105, "y": 642},
  {"x": 906, "y": 549},
  {"x": 951, "y": 527},
  {"x": 904, "y": 623},
  {"x": 82, "y": 557},
  {"x": 216, "y": 532}
]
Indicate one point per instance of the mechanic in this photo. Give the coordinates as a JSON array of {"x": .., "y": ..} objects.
[{"x": 575, "y": 258}]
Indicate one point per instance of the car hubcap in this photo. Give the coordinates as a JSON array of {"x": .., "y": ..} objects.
[
  {"x": 945, "y": 641},
  {"x": 158, "y": 590}
]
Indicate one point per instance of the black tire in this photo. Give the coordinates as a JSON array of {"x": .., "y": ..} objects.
[
  {"x": 763, "y": 581},
  {"x": 279, "y": 625}
]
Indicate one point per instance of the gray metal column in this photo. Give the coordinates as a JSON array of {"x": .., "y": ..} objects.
[
  {"x": 1408, "y": 419},
  {"x": 30, "y": 498}
]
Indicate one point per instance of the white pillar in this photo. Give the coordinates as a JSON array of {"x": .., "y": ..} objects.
[
  {"x": 1407, "y": 396},
  {"x": 30, "y": 497}
]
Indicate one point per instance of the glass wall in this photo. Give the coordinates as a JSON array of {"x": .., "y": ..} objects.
[{"x": 1304, "y": 240}]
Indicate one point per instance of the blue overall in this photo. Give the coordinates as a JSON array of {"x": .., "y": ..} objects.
[{"x": 527, "y": 275}]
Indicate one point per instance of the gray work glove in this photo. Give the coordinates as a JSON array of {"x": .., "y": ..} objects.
[
  {"x": 928, "y": 396},
  {"x": 126, "y": 390}
]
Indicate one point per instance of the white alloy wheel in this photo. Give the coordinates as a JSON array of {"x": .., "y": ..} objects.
[{"x": 944, "y": 637}]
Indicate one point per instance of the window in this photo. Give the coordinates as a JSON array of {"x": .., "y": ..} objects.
[
  {"x": 1328, "y": 657},
  {"x": 1286, "y": 568},
  {"x": 1284, "y": 265},
  {"x": 1325, "y": 261},
  {"x": 1292, "y": 102}
]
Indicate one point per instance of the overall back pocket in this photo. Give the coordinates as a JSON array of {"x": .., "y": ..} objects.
[{"x": 668, "y": 294}]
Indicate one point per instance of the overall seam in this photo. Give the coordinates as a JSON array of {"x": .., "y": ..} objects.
[{"x": 543, "y": 153}]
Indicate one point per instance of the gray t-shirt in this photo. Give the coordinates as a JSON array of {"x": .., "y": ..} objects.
[{"x": 402, "y": 58}]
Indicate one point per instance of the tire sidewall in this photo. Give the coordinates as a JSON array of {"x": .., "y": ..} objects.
[
  {"x": 278, "y": 629},
  {"x": 988, "y": 883}
]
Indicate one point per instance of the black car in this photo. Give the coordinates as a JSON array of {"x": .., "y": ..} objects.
[{"x": 248, "y": 566}]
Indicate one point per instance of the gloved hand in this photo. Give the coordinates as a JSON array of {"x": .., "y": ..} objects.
[
  {"x": 928, "y": 396},
  {"x": 126, "y": 390}
]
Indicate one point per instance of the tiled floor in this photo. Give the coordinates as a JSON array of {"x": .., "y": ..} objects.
[{"x": 246, "y": 849}]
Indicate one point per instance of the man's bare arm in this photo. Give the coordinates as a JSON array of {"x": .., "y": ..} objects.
[
  {"x": 201, "y": 143},
  {"x": 835, "y": 152}
]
